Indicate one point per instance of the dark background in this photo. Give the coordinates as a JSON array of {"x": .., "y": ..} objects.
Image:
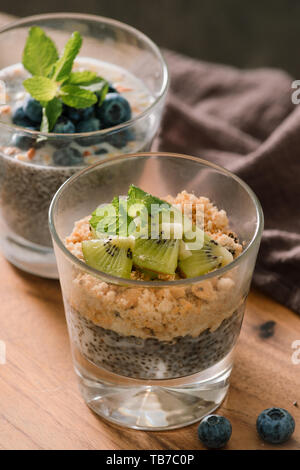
[{"x": 239, "y": 32}]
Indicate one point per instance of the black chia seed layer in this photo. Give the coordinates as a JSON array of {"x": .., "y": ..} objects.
[
  {"x": 25, "y": 195},
  {"x": 151, "y": 358}
]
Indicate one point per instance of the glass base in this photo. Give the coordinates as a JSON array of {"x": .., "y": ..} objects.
[
  {"x": 153, "y": 405},
  {"x": 29, "y": 257}
]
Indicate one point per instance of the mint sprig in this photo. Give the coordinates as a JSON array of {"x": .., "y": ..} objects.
[
  {"x": 85, "y": 78},
  {"x": 40, "y": 52},
  {"x": 53, "y": 82},
  {"x": 51, "y": 112},
  {"x": 63, "y": 67},
  {"x": 77, "y": 97},
  {"x": 42, "y": 89}
]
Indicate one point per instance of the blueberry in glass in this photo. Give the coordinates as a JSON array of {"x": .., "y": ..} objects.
[
  {"x": 53, "y": 93},
  {"x": 33, "y": 110},
  {"x": 115, "y": 110}
]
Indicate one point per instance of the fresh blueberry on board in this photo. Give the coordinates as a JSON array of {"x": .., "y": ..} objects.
[
  {"x": 64, "y": 126},
  {"x": 275, "y": 425},
  {"x": 23, "y": 142},
  {"x": 33, "y": 110},
  {"x": 19, "y": 118},
  {"x": 114, "y": 110},
  {"x": 214, "y": 431},
  {"x": 67, "y": 156}
]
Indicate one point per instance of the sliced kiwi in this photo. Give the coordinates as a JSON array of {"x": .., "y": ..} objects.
[
  {"x": 159, "y": 256},
  {"x": 184, "y": 252},
  {"x": 111, "y": 255},
  {"x": 193, "y": 263},
  {"x": 152, "y": 276}
]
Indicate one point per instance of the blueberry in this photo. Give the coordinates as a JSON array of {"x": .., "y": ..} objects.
[
  {"x": 275, "y": 425},
  {"x": 120, "y": 138},
  {"x": 89, "y": 125},
  {"x": 101, "y": 151},
  {"x": 214, "y": 431},
  {"x": 33, "y": 110},
  {"x": 78, "y": 114},
  {"x": 64, "y": 126},
  {"x": 23, "y": 142},
  {"x": 19, "y": 118},
  {"x": 67, "y": 156},
  {"x": 114, "y": 110}
]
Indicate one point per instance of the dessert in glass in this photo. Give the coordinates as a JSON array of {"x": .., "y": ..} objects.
[
  {"x": 39, "y": 149},
  {"x": 155, "y": 267}
]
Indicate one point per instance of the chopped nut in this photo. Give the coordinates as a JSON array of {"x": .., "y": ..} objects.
[{"x": 31, "y": 153}]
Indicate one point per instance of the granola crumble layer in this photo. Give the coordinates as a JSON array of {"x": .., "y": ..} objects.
[{"x": 161, "y": 312}]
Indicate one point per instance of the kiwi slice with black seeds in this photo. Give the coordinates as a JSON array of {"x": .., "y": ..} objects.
[
  {"x": 193, "y": 263},
  {"x": 112, "y": 255},
  {"x": 157, "y": 255},
  {"x": 177, "y": 244}
]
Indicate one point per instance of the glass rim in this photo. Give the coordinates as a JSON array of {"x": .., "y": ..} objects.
[
  {"x": 137, "y": 283},
  {"x": 100, "y": 19}
]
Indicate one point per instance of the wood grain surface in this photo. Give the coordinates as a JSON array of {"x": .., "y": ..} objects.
[{"x": 40, "y": 405}]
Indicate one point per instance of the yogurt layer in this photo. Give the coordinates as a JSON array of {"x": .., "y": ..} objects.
[{"x": 133, "y": 89}]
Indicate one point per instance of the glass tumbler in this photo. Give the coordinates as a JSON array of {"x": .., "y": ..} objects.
[
  {"x": 26, "y": 186},
  {"x": 157, "y": 354}
]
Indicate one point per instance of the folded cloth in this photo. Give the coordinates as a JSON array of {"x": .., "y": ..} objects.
[{"x": 245, "y": 121}]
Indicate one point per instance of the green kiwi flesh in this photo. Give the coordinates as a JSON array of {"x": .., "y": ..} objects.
[
  {"x": 112, "y": 256},
  {"x": 193, "y": 263},
  {"x": 159, "y": 256},
  {"x": 181, "y": 245}
]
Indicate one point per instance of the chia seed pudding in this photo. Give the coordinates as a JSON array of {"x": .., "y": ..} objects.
[
  {"x": 32, "y": 169},
  {"x": 160, "y": 332},
  {"x": 150, "y": 358}
]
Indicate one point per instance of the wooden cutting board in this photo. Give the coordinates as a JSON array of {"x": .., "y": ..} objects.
[{"x": 40, "y": 405}]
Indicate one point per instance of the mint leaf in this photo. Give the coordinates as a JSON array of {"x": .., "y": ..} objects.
[
  {"x": 104, "y": 220},
  {"x": 84, "y": 78},
  {"x": 40, "y": 52},
  {"x": 51, "y": 113},
  {"x": 111, "y": 219},
  {"x": 136, "y": 194},
  {"x": 45, "y": 123},
  {"x": 63, "y": 66},
  {"x": 102, "y": 93},
  {"x": 41, "y": 88},
  {"x": 77, "y": 97}
]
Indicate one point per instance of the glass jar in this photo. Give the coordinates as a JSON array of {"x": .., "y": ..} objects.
[
  {"x": 29, "y": 175},
  {"x": 154, "y": 354}
]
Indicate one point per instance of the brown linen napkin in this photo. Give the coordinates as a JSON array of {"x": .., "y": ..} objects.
[{"x": 246, "y": 122}]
